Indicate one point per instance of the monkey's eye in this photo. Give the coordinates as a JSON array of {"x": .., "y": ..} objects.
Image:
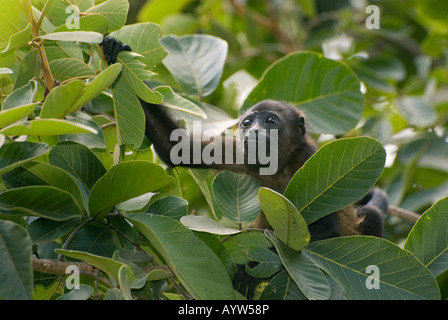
[
  {"x": 247, "y": 122},
  {"x": 271, "y": 120}
]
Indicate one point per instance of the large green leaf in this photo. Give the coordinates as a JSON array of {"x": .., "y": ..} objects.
[
  {"x": 40, "y": 173},
  {"x": 284, "y": 218},
  {"x": 77, "y": 160},
  {"x": 157, "y": 10},
  {"x": 195, "y": 61},
  {"x": 326, "y": 90},
  {"x": 170, "y": 206},
  {"x": 64, "y": 69},
  {"x": 236, "y": 196},
  {"x": 22, "y": 96},
  {"x": 428, "y": 238},
  {"x": 307, "y": 276},
  {"x": 115, "y": 11},
  {"x": 128, "y": 114},
  {"x": 193, "y": 262},
  {"x": 16, "y": 274},
  {"x": 62, "y": 99},
  {"x": 124, "y": 181},
  {"x": 29, "y": 68},
  {"x": 143, "y": 38},
  {"x": 401, "y": 274},
  {"x": 44, "y": 127},
  {"x": 134, "y": 74},
  {"x": 15, "y": 114},
  {"x": 44, "y": 230},
  {"x": 416, "y": 111},
  {"x": 14, "y": 154},
  {"x": 175, "y": 101},
  {"x": 12, "y": 19},
  {"x": 206, "y": 224},
  {"x": 42, "y": 201},
  {"x": 337, "y": 175},
  {"x": 80, "y": 36},
  {"x": 68, "y": 98}
]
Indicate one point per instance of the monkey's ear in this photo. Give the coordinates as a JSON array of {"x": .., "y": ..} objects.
[{"x": 301, "y": 124}]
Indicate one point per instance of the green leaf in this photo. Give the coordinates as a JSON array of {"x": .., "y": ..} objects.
[
  {"x": 157, "y": 10},
  {"x": 44, "y": 127},
  {"x": 41, "y": 201},
  {"x": 428, "y": 240},
  {"x": 306, "y": 275},
  {"x": 29, "y": 68},
  {"x": 16, "y": 273},
  {"x": 86, "y": 23},
  {"x": 18, "y": 40},
  {"x": 65, "y": 69},
  {"x": 61, "y": 101},
  {"x": 416, "y": 111},
  {"x": 5, "y": 72},
  {"x": 21, "y": 96},
  {"x": 9, "y": 116},
  {"x": 12, "y": 19},
  {"x": 175, "y": 101},
  {"x": 78, "y": 161},
  {"x": 236, "y": 196},
  {"x": 269, "y": 263},
  {"x": 115, "y": 11},
  {"x": 195, "y": 61},
  {"x": 326, "y": 90},
  {"x": 337, "y": 175},
  {"x": 80, "y": 36},
  {"x": 44, "y": 230},
  {"x": 170, "y": 206},
  {"x": 128, "y": 114},
  {"x": 111, "y": 267},
  {"x": 82, "y": 293},
  {"x": 205, "y": 224},
  {"x": 124, "y": 181},
  {"x": 194, "y": 263},
  {"x": 401, "y": 274},
  {"x": 68, "y": 98},
  {"x": 134, "y": 73},
  {"x": 143, "y": 38},
  {"x": 103, "y": 81},
  {"x": 13, "y": 155},
  {"x": 285, "y": 220},
  {"x": 237, "y": 244},
  {"x": 40, "y": 173}
]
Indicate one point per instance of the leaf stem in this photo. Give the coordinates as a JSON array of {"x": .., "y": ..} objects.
[{"x": 35, "y": 30}]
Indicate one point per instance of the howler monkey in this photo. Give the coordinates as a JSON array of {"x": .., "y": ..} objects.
[{"x": 295, "y": 147}]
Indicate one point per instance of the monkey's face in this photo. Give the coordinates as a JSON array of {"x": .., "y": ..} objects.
[
  {"x": 277, "y": 126},
  {"x": 261, "y": 134}
]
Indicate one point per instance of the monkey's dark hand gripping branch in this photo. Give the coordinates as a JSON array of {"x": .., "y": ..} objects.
[{"x": 111, "y": 48}]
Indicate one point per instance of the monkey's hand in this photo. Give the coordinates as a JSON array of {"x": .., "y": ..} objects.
[{"x": 111, "y": 48}]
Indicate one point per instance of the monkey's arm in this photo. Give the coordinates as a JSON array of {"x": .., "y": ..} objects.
[
  {"x": 160, "y": 126},
  {"x": 159, "y": 129}
]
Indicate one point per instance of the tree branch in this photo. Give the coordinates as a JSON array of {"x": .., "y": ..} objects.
[{"x": 403, "y": 214}]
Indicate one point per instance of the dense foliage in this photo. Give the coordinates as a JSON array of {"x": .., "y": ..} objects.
[{"x": 83, "y": 196}]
